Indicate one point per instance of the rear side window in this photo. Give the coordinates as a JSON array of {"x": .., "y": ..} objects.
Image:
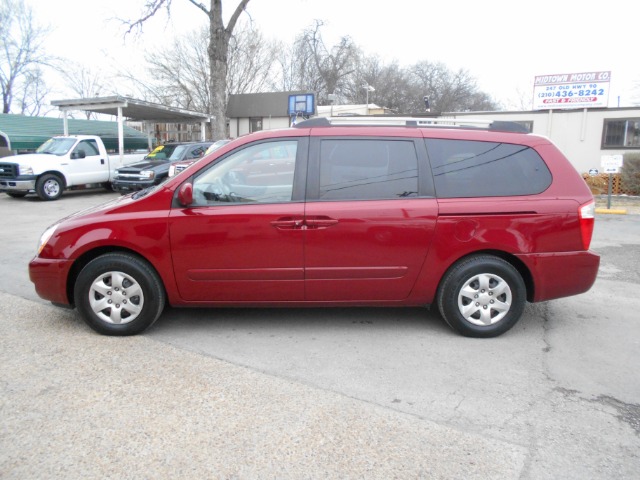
[
  {"x": 367, "y": 169},
  {"x": 196, "y": 152},
  {"x": 463, "y": 168}
]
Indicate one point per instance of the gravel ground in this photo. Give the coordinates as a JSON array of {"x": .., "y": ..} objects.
[{"x": 75, "y": 404}]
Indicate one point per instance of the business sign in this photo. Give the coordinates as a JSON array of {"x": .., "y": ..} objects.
[
  {"x": 611, "y": 163},
  {"x": 571, "y": 90}
]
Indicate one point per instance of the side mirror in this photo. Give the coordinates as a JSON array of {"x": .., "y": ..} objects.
[
  {"x": 78, "y": 154},
  {"x": 185, "y": 194}
]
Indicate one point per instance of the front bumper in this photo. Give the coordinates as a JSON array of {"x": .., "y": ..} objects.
[
  {"x": 126, "y": 187},
  {"x": 50, "y": 279},
  {"x": 17, "y": 185}
]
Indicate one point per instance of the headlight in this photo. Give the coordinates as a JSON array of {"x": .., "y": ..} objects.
[
  {"x": 148, "y": 174},
  {"x": 25, "y": 170},
  {"x": 44, "y": 238}
]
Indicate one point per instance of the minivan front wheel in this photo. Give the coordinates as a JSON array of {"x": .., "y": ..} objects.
[
  {"x": 119, "y": 294},
  {"x": 482, "y": 296}
]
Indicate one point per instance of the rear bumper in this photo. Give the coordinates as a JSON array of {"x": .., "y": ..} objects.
[
  {"x": 563, "y": 274},
  {"x": 50, "y": 279}
]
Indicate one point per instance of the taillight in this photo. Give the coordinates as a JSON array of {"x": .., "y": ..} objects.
[{"x": 587, "y": 214}]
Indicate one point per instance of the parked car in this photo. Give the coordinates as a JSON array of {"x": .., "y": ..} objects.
[
  {"x": 155, "y": 167},
  {"x": 179, "y": 166},
  {"x": 216, "y": 145},
  {"x": 74, "y": 162},
  {"x": 340, "y": 212}
]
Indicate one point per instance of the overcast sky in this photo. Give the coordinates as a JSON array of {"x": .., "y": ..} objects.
[{"x": 504, "y": 44}]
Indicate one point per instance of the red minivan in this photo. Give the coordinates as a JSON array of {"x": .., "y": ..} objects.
[{"x": 337, "y": 212}]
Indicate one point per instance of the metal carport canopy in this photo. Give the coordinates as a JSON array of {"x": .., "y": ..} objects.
[{"x": 133, "y": 109}]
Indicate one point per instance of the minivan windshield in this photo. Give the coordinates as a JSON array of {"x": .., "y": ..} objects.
[{"x": 57, "y": 146}]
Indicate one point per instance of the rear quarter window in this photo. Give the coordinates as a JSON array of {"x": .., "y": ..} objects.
[{"x": 464, "y": 168}]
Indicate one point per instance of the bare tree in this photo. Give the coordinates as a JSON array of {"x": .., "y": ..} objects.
[
  {"x": 448, "y": 91},
  {"x": 343, "y": 70},
  {"x": 284, "y": 68},
  {"x": 389, "y": 81},
  {"x": 250, "y": 60},
  {"x": 179, "y": 75},
  {"x": 21, "y": 53},
  {"x": 33, "y": 93},
  {"x": 218, "y": 51},
  {"x": 315, "y": 67},
  {"x": 402, "y": 90},
  {"x": 522, "y": 100},
  {"x": 84, "y": 82}
]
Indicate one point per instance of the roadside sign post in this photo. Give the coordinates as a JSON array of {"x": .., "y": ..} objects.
[
  {"x": 611, "y": 164},
  {"x": 609, "y": 191}
]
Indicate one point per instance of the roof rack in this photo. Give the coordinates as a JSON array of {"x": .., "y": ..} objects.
[{"x": 385, "y": 121}]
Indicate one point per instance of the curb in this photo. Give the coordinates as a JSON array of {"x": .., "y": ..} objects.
[{"x": 614, "y": 211}]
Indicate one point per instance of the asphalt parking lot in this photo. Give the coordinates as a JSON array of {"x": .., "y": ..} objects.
[{"x": 319, "y": 393}]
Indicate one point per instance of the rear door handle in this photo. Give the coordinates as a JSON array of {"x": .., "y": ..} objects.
[{"x": 320, "y": 222}]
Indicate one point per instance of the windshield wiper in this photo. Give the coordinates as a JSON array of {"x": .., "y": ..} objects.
[
  {"x": 140, "y": 193},
  {"x": 143, "y": 192}
]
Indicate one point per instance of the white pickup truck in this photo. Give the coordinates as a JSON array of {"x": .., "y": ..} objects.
[{"x": 61, "y": 163}]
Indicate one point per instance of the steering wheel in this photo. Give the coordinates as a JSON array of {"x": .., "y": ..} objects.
[{"x": 218, "y": 191}]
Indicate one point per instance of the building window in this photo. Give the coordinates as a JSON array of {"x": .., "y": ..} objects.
[
  {"x": 621, "y": 133},
  {"x": 255, "y": 124}
]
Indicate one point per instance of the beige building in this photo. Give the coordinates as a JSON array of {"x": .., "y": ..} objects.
[
  {"x": 337, "y": 110},
  {"x": 252, "y": 112}
]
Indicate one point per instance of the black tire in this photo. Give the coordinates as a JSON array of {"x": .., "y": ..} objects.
[
  {"x": 119, "y": 294},
  {"x": 49, "y": 187},
  {"x": 482, "y": 296},
  {"x": 16, "y": 194}
]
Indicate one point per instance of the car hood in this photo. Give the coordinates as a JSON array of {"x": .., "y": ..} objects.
[
  {"x": 31, "y": 158},
  {"x": 103, "y": 207},
  {"x": 146, "y": 165}
]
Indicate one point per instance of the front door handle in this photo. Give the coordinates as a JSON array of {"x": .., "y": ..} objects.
[{"x": 288, "y": 223}]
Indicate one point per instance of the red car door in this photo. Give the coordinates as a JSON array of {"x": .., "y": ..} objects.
[
  {"x": 368, "y": 224},
  {"x": 241, "y": 240}
]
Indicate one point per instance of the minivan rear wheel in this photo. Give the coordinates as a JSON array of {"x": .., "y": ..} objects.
[
  {"x": 119, "y": 294},
  {"x": 482, "y": 296}
]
